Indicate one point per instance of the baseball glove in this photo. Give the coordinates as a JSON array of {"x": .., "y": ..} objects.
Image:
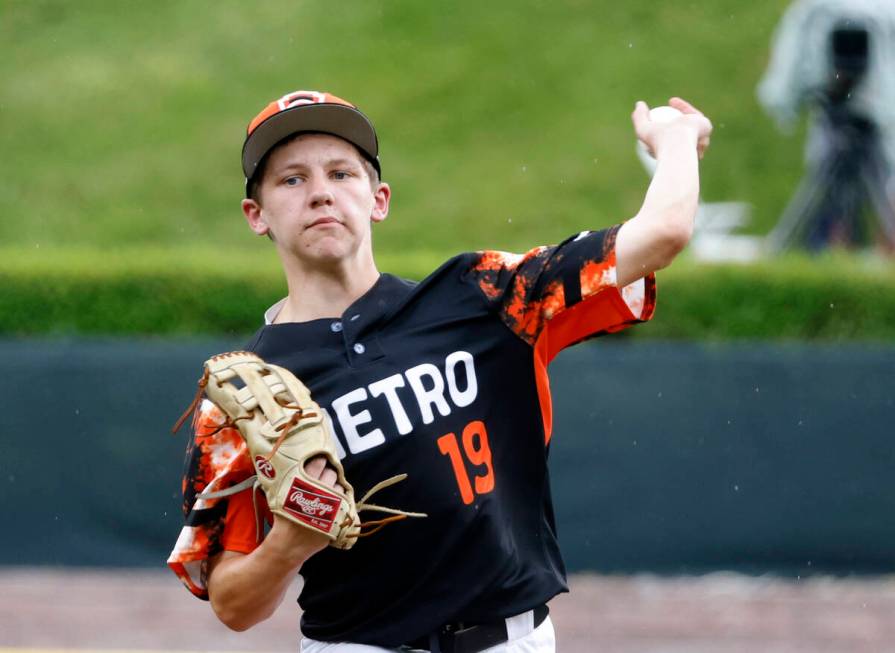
[{"x": 283, "y": 428}]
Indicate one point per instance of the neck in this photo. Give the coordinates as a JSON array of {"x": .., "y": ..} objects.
[{"x": 322, "y": 292}]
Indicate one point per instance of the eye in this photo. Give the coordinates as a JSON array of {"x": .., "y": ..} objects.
[
  {"x": 341, "y": 174},
  {"x": 291, "y": 181}
]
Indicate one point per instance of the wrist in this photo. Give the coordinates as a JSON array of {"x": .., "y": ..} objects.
[
  {"x": 289, "y": 545},
  {"x": 676, "y": 140}
]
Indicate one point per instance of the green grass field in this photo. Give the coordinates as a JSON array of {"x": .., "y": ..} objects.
[{"x": 503, "y": 125}]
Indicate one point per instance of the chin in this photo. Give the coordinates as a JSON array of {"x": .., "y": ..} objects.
[
  {"x": 327, "y": 255},
  {"x": 331, "y": 250}
]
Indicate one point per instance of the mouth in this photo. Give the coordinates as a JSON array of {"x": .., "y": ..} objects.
[{"x": 321, "y": 222}]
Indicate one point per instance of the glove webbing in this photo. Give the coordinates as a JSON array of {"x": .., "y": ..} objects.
[{"x": 228, "y": 422}]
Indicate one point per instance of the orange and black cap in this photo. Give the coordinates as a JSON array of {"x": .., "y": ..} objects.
[{"x": 307, "y": 111}]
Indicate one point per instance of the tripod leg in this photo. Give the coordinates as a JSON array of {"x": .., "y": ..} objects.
[
  {"x": 812, "y": 193},
  {"x": 847, "y": 225},
  {"x": 875, "y": 181}
]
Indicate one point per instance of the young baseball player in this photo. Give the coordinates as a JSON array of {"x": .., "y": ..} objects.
[{"x": 444, "y": 380}]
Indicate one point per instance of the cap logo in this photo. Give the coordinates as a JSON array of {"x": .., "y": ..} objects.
[
  {"x": 333, "y": 115},
  {"x": 299, "y": 98}
]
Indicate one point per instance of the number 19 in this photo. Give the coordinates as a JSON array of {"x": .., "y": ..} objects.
[{"x": 478, "y": 452}]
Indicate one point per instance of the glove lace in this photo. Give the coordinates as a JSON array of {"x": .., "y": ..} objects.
[
  {"x": 194, "y": 404},
  {"x": 379, "y": 524},
  {"x": 299, "y": 414},
  {"x": 362, "y": 505}
]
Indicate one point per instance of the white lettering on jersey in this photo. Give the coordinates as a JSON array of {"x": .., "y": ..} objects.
[
  {"x": 467, "y": 396},
  {"x": 426, "y": 398},
  {"x": 349, "y": 423},
  {"x": 428, "y": 385},
  {"x": 388, "y": 387}
]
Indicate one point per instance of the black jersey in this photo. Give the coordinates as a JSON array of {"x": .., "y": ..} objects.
[{"x": 444, "y": 380}]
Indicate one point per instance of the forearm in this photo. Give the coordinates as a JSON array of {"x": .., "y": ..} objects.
[
  {"x": 246, "y": 589},
  {"x": 669, "y": 207},
  {"x": 664, "y": 224}
]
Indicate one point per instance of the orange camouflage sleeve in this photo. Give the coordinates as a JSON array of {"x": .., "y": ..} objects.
[
  {"x": 555, "y": 296},
  {"x": 217, "y": 459}
]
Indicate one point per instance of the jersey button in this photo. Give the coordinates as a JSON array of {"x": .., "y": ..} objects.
[
  {"x": 336, "y": 327},
  {"x": 359, "y": 348}
]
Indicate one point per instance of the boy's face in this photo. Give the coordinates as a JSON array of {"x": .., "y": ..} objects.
[{"x": 318, "y": 201}]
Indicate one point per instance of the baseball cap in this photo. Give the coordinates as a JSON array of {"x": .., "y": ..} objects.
[{"x": 308, "y": 111}]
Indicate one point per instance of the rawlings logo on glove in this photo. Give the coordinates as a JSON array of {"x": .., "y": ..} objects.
[{"x": 283, "y": 429}]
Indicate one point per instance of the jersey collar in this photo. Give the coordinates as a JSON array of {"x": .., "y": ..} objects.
[{"x": 379, "y": 301}]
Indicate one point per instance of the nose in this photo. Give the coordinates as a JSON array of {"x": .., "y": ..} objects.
[{"x": 320, "y": 194}]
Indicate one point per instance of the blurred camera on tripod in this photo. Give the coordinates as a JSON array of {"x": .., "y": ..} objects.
[{"x": 849, "y": 60}]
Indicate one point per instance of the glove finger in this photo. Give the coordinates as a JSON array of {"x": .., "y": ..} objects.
[
  {"x": 329, "y": 477},
  {"x": 315, "y": 466}
]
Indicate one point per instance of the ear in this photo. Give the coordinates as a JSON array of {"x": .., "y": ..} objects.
[
  {"x": 254, "y": 216},
  {"x": 381, "y": 198}
]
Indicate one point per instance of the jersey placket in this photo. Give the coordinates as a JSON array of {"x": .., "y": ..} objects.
[{"x": 358, "y": 339}]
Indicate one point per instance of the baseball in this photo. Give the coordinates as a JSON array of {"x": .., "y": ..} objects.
[
  {"x": 664, "y": 114},
  {"x": 657, "y": 114}
]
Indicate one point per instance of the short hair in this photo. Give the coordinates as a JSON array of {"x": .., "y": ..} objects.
[{"x": 253, "y": 185}]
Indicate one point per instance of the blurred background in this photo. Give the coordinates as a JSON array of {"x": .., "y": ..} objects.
[{"x": 721, "y": 474}]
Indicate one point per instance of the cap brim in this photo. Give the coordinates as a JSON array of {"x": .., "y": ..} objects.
[{"x": 336, "y": 119}]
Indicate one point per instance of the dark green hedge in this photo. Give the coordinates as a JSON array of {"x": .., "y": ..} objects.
[
  {"x": 189, "y": 293},
  {"x": 821, "y": 300}
]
